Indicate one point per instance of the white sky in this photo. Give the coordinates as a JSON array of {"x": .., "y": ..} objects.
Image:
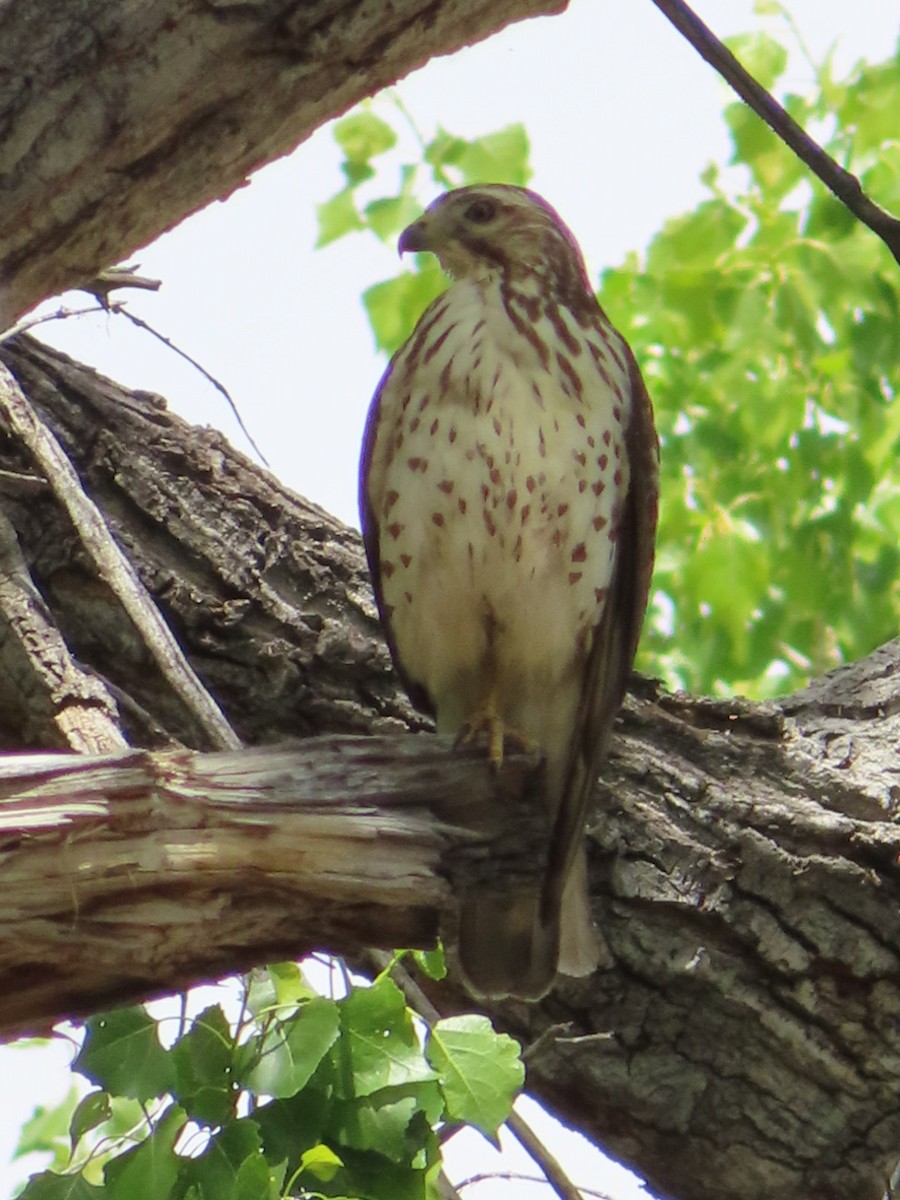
[{"x": 622, "y": 115}]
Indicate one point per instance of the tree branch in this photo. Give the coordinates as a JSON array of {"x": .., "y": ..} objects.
[
  {"x": 147, "y": 112},
  {"x": 136, "y": 874},
  {"x": 840, "y": 183},
  {"x": 112, "y": 566}
]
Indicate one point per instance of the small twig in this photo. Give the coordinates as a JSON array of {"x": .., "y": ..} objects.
[
  {"x": 61, "y": 314},
  {"x": 220, "y": 387},
  {"x": 118, "y": 277},
  {"x": 21, "y": 483},
  {"x": 415, "y": 997},
  {"x": 841, "y": 183},
  {"x": 549, "y": 1164},
  {"x": 112, "y": 565}
]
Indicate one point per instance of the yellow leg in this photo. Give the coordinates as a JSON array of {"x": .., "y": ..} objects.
[{"x": 487, "y": 724}]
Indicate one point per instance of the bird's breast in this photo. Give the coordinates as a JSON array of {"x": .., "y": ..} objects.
[{"x": 497, "y": 480}]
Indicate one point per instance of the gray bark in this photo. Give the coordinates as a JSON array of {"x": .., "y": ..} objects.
[
  {"x": 117, "y": 120},
  {"x": 742, "y": 1043}
]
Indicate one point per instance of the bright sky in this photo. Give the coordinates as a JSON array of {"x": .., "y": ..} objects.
[{"x": 622, "y": 115}]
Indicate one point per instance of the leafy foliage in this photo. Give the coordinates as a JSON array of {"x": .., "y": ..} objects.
[
  {"x": 767, "y": 323},
  {"x": 300, "y": 1095}
]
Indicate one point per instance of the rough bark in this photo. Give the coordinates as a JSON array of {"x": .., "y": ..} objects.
[
  {"x": 742, "y": 1042},
  {"x": 144, "y": 112}
]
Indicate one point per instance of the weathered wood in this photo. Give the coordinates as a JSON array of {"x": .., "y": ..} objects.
[
  {"x": 135, "y": 874},
  {"x": 117, "y": 120}
]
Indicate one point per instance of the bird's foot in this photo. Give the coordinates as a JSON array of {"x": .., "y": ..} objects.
[{"x": 487, "y": 727}]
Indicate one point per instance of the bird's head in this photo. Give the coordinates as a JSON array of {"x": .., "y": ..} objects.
[{"x": 489, "y": 228}]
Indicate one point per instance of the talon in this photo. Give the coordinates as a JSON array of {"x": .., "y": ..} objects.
[{"x": 488, "y": 727}]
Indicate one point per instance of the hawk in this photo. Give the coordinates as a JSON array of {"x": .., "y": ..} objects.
[{"x": 508, "y": 492}]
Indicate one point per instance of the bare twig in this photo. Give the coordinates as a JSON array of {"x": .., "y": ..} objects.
[
  {"x": 549, "y": 1164},
  {"x": 118, "y": 277},
  {"x": 841, "y": 183},
  {"x": 112, "y": 565},
  {"x": 61, "y": 314},
  {"x": 141, "y": 324},
  {"x": 101, "y": 287}
]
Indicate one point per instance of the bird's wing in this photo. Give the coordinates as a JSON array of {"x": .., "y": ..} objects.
[
  {"x": 369, "y": 498},
  {"x": 614, "y": 643}
]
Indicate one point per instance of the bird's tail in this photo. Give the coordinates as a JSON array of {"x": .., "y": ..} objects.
[
  {"x": 579, "y": 941},
  {"x": 511, "y": 945},
  {"x": 505, "y": 947}
]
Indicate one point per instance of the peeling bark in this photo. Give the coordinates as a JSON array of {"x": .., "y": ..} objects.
[
  {"x": 743, "y": 1041},
  {"x": 146, "y": 112}
]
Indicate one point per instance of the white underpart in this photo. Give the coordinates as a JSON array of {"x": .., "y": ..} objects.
[{"x": 494, "y": 564}]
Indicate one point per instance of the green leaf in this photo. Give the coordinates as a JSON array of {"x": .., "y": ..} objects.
[
  {"x": 290, "y": 983},
  {"x": 773, "y": 165},
  {"x": 321, "y": 1162},
  {"x": 379, "y": 1047},
  {"x": 382, "y": 1121},
  {"x": 204, "y": 1082},
  {"x": 387, "y": 217},
  {"x": 291, "y": 1050},
  {"x": 288, "y": 1127},
  {"x": 232, "y": 1160},
  {"x": 431, "y": 962},
  {"x": 480, "y": 1071},
  {"x": 500, "y": 157},
  {"x": 149, "y": 1171},
  {"x": 93, "y": 1110},
  {"x": 363, "y": 135},
  {"x": 761, "y": 55},
  {"x": 50, "y": 1186},
  {"x": 337, "y": 217},
  {"x": 395, "y": 306},
  {"x": 47, "y": 1129},
  {"x": 122, "y": 1054}
]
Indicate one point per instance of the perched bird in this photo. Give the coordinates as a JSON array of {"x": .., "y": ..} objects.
[{"x": 508, "y": 494}]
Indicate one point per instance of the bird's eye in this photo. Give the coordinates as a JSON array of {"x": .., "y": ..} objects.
[{"x": 481, "y": 211}]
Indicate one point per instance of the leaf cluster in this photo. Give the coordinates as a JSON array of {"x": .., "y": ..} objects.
[
  {"x": 302, "y": 1095},
  {"x": 767, "y": 322}
]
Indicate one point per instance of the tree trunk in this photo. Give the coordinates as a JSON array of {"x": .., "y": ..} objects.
[
  {"x": 117, "y": 120},
  {"x": 742, "y": 1042}
]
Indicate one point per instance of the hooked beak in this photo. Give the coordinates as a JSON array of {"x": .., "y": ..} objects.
[{"x": 414, "y": 237}]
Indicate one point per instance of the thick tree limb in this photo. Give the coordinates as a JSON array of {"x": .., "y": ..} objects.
[
  {"x": 147, "y": 112},
  {"x": 136, "y": 874},
  {"x": 840, "y": 183}
]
